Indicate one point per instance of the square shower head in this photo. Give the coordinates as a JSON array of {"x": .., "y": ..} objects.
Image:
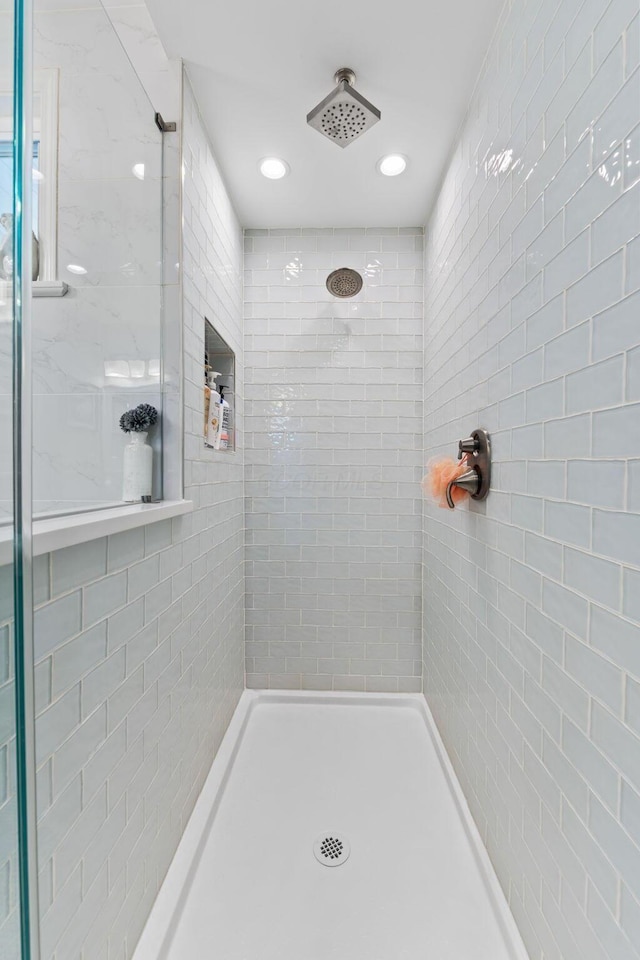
[{"x": 345, "y": 114}]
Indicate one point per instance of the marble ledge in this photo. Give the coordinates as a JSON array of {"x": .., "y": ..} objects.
[
  {"x": 49, "y": 288},
  {"x": 54, "y": 533}
]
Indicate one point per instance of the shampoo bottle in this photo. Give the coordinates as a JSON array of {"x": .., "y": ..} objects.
[
  {"x": 226, "y": 417},
  {"x": 207, "y": 400},
  {"x": 213, "y": 422},
  {"x": 225, "y": 412}
]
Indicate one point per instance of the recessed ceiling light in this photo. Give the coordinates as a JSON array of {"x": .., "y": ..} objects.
[
  {"x": 392, "y": 165},
  {"x": 273, "y": 168},
  {"x": 76, "y": 268},
  {"x": 138, "y": 170}
]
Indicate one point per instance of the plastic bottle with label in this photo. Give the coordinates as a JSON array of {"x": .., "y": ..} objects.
[
  {"x": 215, "y": 412},
  {"x": 226, "y": 412}
]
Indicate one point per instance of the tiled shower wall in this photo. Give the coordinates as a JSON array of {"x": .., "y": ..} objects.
[
  {"x": 333, "y": 459},
  {"x": 140, "y": 643},
  {"x": 532, "y": 634}
]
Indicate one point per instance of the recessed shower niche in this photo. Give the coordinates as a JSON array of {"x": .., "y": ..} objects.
[{"x": 219, "y": 392}]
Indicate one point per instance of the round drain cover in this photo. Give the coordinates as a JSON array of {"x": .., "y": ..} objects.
[{"x": 332, "y": 849}]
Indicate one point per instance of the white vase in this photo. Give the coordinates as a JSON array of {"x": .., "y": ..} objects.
[{"x": 137, "y": 467}]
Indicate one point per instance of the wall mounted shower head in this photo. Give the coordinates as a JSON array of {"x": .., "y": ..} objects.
[
  {"x": 344, "y": 282},
  {"x": 344, "y": 115}
]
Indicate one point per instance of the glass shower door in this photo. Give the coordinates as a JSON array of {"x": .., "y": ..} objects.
[{"x": 18, "y": 873}]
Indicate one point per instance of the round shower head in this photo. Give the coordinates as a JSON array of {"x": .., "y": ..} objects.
[{"x": 344, "y": 282}]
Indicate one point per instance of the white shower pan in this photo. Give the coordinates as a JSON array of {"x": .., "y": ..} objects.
[{"x": 365, "y": 770}]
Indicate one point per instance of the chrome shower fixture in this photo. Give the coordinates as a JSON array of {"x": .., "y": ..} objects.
[
  {"x": 344, "y": 282},
  {"x": 344, "y": 115},
  {"x": 476, "y": 479}
]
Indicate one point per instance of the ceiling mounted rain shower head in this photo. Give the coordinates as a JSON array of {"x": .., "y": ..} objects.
[{"x": 344, "y": 115}]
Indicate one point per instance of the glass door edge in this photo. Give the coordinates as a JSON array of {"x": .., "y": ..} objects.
[{"x": 22, "y": 445}]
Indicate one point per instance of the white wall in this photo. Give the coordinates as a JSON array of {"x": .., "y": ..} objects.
[
  {"x": 333, "y": 460},
  {"x": 532, "y": 635},
  {"x": 140, "y": 644}
]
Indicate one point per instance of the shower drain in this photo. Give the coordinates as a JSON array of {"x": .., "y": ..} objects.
[{"x": 331, "y": 849}]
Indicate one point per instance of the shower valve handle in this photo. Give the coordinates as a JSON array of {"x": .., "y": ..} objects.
[
  {"x": 470, "y": 445},
  {"x": 476, "y": 479}
]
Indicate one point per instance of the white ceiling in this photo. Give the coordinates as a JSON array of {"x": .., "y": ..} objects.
[{"x": 259, "y": 66}]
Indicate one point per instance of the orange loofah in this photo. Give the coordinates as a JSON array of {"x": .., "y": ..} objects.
[{"x": 441, "y": 473}]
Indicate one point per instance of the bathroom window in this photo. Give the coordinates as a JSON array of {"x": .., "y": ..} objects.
[
  {"x": 219, "y": 392},
  {"x": 6, "y": 200},
  {"x": 45, "y": 176}
]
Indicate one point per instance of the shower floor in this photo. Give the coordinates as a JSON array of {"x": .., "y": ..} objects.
[{"x": 245, "y": 884}]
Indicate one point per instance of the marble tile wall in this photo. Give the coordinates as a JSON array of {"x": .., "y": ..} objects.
[
  {"x": 96, "y": 351},
  {"x": 333, "y": 460},
  {"x": 531, "y": 614},
  {"x": 161, "y": 79}
]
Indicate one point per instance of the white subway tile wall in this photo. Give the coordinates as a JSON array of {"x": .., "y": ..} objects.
[
  {"x": 333, "y": 460},
  {"x": 9, "y": 878},
  {"x": 531, "y": 617},
  {"x": 140, "y": 643}
]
